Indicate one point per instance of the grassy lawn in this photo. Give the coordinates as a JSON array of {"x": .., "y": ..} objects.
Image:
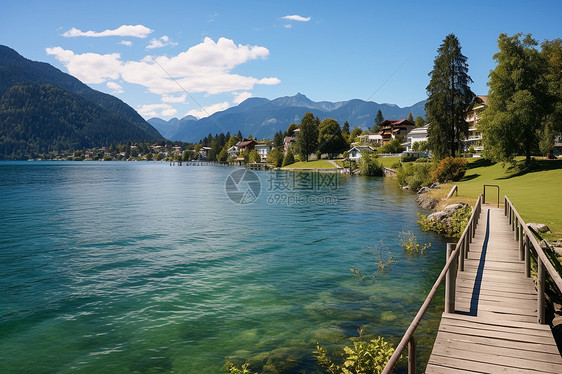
[
  {"x": 537, "y": 195},
  {"x": 319, "y": 164},
  {"x": 387, "y": 162}
]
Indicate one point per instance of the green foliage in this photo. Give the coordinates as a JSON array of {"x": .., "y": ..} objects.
[
  {"x": 369, "y": 165},
  {"x": 355, "y": 133},
  {"x": 448, "y": 98},
  {"x": 223, "y": 155},
  {"x": 393, "y": 146},
  {"x": 330, "y": 139},
  {"x": 289, "y": 158},
  {"x": 410, "y": 244},
  {"x": 450, "y": 169},
  {"x": 451, "y": 227},
  {"x": 362, "y": 357},
  {"x": 254, "y": 156},
  {"x": 291, "y": 129},
  {"x": 383, "y": 260},
  {"x": 420, "y": 122},
  {"x": 275, "y": 157},
  {"x": 422, "y": 159},
  {"x": 379, "y": 118},
  {"x": 234, "y": 369},
  {"x": 414, "y": 175},
  {"x": 518, "y": 99},
  {"x": 408, "y": 158},
  {"x": 345, "y": 128},
  {"x": 307, "y": 137},
  {"x": 410, "y": 117}
]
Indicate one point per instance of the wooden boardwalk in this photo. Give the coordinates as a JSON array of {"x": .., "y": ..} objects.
[{"x": 494, "y": 328}]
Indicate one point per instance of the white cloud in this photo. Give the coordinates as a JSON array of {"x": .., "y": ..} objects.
[
  {"x": 128, "y": 43},
  {"x": 203, "y": 68},
  {"x": 288, "y": 26},
  {"x": 89, "y": 67},
  {"x": 156, "y": 110},
  {"x": 115, "y": 88},
  {"x": 241, "y": 96},
  {"x": 208, "y": 110},
  {"x": 296, "y": 17},
  {"x": 162, "y": 42},
  {"x": 173, "y": 99},
  {"x": 136, "y": 31}
]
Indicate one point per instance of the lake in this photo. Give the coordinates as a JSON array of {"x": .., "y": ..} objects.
[{"x": 137, "y": 267}]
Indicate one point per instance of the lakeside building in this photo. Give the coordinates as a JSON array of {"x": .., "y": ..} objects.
[
  {"x": 370, "y": 139},
  {"x": 474, "y": 138},
  {"x": 233, "y": 151},
  {"x": 392, "y": 128},
  {"x": 416, "y": 135},
  {"x": 356, "y": 152},
  {"x": 264, "y": 149},
  {"x": 246, "y": 144},
  {"x": 203, "y": 154}
]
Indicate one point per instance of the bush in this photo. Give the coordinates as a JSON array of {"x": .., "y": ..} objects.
[
  {"x": 392, "y": 146},
  {"x": 255, "y": 156},
  {"x": 422, "y": 159},
  {"x": 415, "y": 175},
  {"x": 408, "y": 158},
  {"x": 363, "y": 357},
  {"x": 451, "y": 227},
  {"x": 450, "y": 169},
  {"x": 370, "y": 166}
]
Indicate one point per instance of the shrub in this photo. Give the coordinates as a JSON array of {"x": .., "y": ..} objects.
[
  {"x": 415, "y": 175},
  {"x": 450, "y": 169},
  {"x": 363, "y": 357},
  {"x": 422, "y": 159},
  {"x": 370, "y": 166},
  {"x": 410, "y": 244},
  {"x": 255, "y": 156},
  {"x": 408, "y": 158},
  {"x": 275, "y": 157},
  {"x": 451, "y": 227},
  {"x": 392, "y": 146}
]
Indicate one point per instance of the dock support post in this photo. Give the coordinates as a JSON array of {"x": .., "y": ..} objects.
[
  {"x": 540, "y": 291},
  {"x": 527, "y": 257},
  {"x": 522, "y": 237},
  {"x": 412, "y": 356},
  {"x": 450, "y": 282},
  {"x": 466, "y": 246},
  {"x": 516, "y": 229}
]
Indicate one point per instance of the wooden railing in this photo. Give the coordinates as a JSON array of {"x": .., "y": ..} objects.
[
  {"x": 527, "y": 244},
  {"x": 460, "y": 252}
]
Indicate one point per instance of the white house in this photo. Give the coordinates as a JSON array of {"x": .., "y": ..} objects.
[
  {"x": 372, "y": 138},
  {"x": 233, "y": 151},
  {"x": 355, "y": 152},
  {"x": 263, "y": 150},
  {"x": 416, "y": 135}
]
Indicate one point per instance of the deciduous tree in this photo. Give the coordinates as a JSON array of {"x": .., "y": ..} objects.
[
  {"x": 307, "y": 137},
  {"x": 518, "y": 99}
]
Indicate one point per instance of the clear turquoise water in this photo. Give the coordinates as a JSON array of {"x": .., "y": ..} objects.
[{"x": 145, "y": 268}]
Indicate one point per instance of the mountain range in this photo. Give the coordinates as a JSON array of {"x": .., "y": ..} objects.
[
  {"x": 262, "y": 118},
  {"x": 43, "y": 109}
]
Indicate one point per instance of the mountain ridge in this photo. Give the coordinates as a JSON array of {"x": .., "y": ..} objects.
[
  {"x": 263, "y": 117},
  {"x": 73, "y": 116}
]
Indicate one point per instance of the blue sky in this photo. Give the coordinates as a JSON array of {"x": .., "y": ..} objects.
[{"x": 222, "y": 52}]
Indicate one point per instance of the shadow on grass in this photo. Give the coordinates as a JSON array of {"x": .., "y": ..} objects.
[
  {"x": 520, "y": 168},
  {"x": 480, "y": 163},
  {"x": 469, "y": 177}
]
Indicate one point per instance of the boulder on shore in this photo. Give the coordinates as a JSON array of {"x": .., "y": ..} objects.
[
  {"x": 426, "y": 202},
  {"x": 538, "y": 227},
  {"x": 446, "y": 213}
]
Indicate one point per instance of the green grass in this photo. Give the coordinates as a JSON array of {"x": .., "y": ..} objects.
[
  {"x": 536, "y": 194},
  {"x": 319, "y": 164},
  {"x": 387, "y": 162}
]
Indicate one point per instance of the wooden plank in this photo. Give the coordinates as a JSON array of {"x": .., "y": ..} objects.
[
  {"x": 476, "y": 349},
  {"x": 476, "y": 366},
  {"x": 495, "y": 327},
  {"x": 513, "y": 336},
  {"x": 438, "y": 369},
  {"x": 460, "y": 317}
]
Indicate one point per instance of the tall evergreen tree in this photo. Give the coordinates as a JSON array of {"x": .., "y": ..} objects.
[
  {"x": 410, "y": 117},
  {"x": 307, "y": 137},
  {"x": 278, "y": 139},
  {"x": 449, "y": 96},
  {"x": 517, "y": 101},
  {"x": 379, "y": 118},
  {"x": 345, "y": 128}
]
